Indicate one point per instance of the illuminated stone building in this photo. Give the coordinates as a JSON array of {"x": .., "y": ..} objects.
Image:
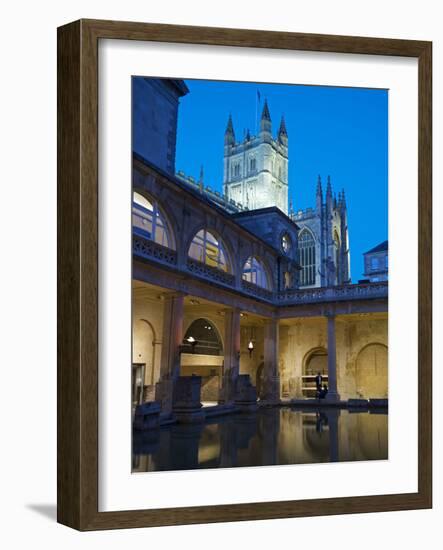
[{"x": 217, "y": 294}]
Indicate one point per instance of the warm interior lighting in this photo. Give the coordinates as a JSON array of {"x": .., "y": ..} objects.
[
  {"x": 250, "y": 347},
  {"x": 192, "y": 341}
]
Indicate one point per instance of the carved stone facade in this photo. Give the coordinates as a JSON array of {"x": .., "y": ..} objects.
[
  {"x": 256, "y": 168},
  {"x": 269, "y": 332},
  {"x": 324, "y": 240},
  {"x": 274, "y": 287}
]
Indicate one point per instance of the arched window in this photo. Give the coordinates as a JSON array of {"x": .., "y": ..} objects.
[
  {"x": 254, "y": 272},
  {"x": 148, "y": 220},
  {"x": 286, "y": 243},
  {"x": 209, "y": 250},
  {"x": 306, "y": 245},
  {"x": 202, "y": 337},
  {"x": 252, "y": 164}
]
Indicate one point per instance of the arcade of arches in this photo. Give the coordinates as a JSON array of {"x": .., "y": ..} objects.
[{"x": 213, "y": 340}]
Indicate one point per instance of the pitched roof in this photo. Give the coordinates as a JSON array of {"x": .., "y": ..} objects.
[{"x": 379, "y": 248}]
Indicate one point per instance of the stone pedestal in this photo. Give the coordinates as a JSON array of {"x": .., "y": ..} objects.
[
  {"x": 246, "y": 394},
  {"x": 147, "y": 416},
  {"x": 163, "y": 394},
  {"x": 228, "y": 389},
  {"x": 271, "y": 390},
  {"x": 186, "y": 405}
]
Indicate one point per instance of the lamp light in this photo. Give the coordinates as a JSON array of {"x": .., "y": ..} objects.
[
  {"x": 192, "y": 341},
  {"x": 250, "y": 347}
]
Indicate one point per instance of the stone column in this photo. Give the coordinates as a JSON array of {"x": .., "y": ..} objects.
[
  {"x": 271, "y": 378},
  {"x": 231, "y": 365},
  {"x": 172, "y": 338},
  {"x": 332, "y": 361}
]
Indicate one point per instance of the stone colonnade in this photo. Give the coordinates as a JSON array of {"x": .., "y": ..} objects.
[{"x": 173, "y": 338}]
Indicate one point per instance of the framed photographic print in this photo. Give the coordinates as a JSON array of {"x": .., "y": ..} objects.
[{"x": 244, "y": 275}]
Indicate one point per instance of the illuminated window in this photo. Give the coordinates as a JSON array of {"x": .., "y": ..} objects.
[
  {"x": 255, "y": 272},
  {"x": 205, "y": 338},
  {"x": 286, "y": 243},
  {"x": 306, "y": 245},
  {"x": 148, "y": 220},
  {"x": 206, "y": 248}
]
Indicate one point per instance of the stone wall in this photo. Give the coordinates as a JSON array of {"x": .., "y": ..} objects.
[
  {"x": 362, "y": 341},
  {"x": 359, "y": 372},
  {"x": 155, "y": 111}
]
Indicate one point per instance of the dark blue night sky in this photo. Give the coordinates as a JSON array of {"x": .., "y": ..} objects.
[{"x": 341, "y": 132}]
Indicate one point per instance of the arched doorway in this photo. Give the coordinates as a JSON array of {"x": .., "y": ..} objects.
[
  {"x": 371, "y": 371},
  {"x": 316, "y": 361},
  {"x": 143, "y": 338},
  {"x": 203, "y": 356}
]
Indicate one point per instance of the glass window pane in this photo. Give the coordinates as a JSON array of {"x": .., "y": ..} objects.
[
  {"x": 142, "y": 201},
  {"x": 206, "y": 248},
  {"x": 255, "y": 273},
  {"x": 147, "y": 219},
  {"x": 307, "y": 258}
]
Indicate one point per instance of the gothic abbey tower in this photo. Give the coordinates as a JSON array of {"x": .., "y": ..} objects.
[
  {"x": 256, "y": 169},
  {"x": 323, "y": 240},
  {"x": 256, "y": 176}
]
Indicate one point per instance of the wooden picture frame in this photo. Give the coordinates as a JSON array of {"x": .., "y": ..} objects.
[{"x": 78, "y": 274}]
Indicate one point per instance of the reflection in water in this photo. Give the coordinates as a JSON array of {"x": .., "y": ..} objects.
[{"x": 270, "y": 436}]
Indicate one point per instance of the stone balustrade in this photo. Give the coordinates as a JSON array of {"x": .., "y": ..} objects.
[
  {"x": 145, "y": 248},
  {"x": 256, "y": 290},
  {"x": 208, "y": 272},
  {"x": 333, "y": 293}
]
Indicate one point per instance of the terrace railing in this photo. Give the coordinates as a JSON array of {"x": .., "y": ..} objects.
[{"x": 333, "y": 293}]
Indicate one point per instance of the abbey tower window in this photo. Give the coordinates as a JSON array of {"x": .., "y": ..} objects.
[{"x": 306, "y": 246}]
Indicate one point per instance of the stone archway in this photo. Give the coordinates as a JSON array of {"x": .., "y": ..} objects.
[
  {"x": 315, "y": 361},
  {"x": 371, "y": 371},
  {"x": 202, "y": 355}
]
